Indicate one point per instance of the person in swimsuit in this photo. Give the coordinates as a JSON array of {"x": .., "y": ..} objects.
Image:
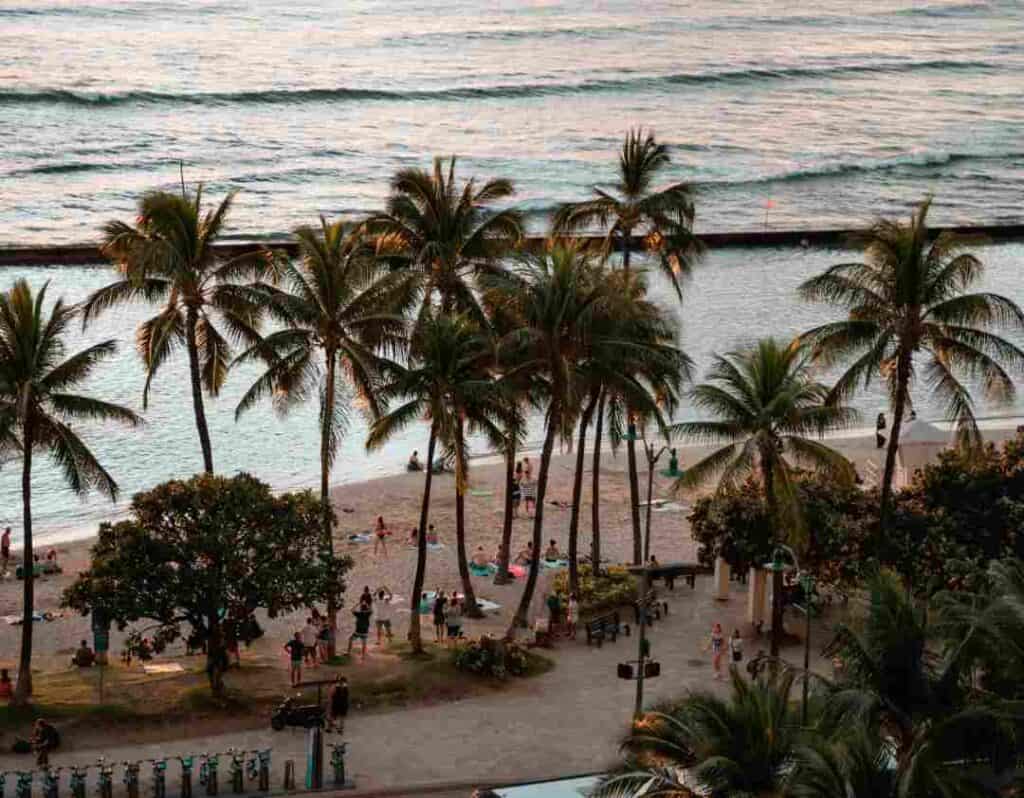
[
  {"x": 432, "y": 536},
  {"x": 380, "y": 535},
  {"x": 717, "y": 645},
  {"x": 480, "y": 558},
  {"x": 529, "y": 487},
  {"x": 525, "y": 556},
  {"x": 551, "y": 553},
  {"x": 517, "y": 490}
]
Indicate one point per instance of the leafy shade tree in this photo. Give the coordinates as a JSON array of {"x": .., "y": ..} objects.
[
  {"x": 336, "y": 312},
  {"x": 444, "y": 377},
  {"x": 447, "y": 234},
  {"x": 908, "y": 308},
  {"x": 168, "y": 257},
  {"x": 763, "y": 404},
  {"x": 662, "y": 221},
  {"x": 553, "y": 294},
  {"x": 742, "y": 745},
  {"x": 38, "y": 408},
  {"x": 206, "y": 552}
]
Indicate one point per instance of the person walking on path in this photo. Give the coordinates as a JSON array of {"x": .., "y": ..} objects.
[
  {"x": 736, "y": 647},
  {"x": 337, "y": 705},
  {"x": 295, "y": 651},
  {"x": 717, "y": 645},
  {"x": 362, "y": 614}
]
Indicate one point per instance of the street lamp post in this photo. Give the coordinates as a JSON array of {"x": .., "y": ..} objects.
[
  {"x": 807, "y": 583},
  {"x": 652, "y": 461}
]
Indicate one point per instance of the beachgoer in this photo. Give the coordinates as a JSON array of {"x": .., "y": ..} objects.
[
  {"x": 453, "y": 618},
  {"x": 414, "y": 463},
  {"x": 653, "y": 562},
  {"x": 432, "y": 537},
  {"x": 880, "y": 425},
  {"x": 362, "y": 615},
  {"x": 366, "y": 597},
  {"x": 552, "y": 554},
  {"x": 440, "y": 602},
  {"x": 913, "y": 415},
  {"x": 323, "y": 637},
  {"x": 414, "y": 534},
  {"x": 295, "y": 651},
  {"x": 309, "y": 635},
  {"x": 673, "y": 464},
  {"x": 84, "y": 657},
  {"x": 337, "y": 704},
  {"x": 572, "y": 611},
  {"x": 525, "y": 556},
  {"x": 716, "y": 643},
  {"x": 384, "y": 613},
  {"x": 736, "y": 647},
  {"x": 6, "y": 685},
  {"x": 500, "y": 553},
  {"x": 45, "y": 738},
  {"x": 529, "y": 487},
  {"x": 554, "y": 611},
  {"x": 380, "y": 536},
  {"x": 5, "y": 550},
  {"x": 480, "y": 558}
]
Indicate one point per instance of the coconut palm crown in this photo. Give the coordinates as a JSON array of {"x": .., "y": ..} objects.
[{"x": 910, "y": 317}]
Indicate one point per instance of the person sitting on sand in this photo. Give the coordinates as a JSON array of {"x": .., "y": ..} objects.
[
  {"x": 84, "y": 657},
  {"x": 6, "y": 685},
  {"x": 552, "y": 554},
  {"x": 432, "y": 537},
  {"x": 525, "y": 556},
  {"x": 480, "y": 558},
  {"x": 414, "y": 463}
]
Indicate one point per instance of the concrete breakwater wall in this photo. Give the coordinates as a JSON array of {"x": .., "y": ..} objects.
[{"x": 87, "y": 254}]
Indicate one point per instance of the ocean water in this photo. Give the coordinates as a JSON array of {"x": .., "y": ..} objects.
[
  {"x": 832, "y": 111},
  {"x": 782, "y": 114}
]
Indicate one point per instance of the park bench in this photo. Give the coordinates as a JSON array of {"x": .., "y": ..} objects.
[
  {"x": 601, "y": 627},
  {"x": 651, "y": 606},
  {"x": 671, "y": 571}
]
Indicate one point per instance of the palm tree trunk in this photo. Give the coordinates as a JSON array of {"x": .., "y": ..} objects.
[
  {"x": 650, "y": 490},
  {"x": 24, "y": 688},
  {"x": 415, "y": 637},
  {"x": 577, "y": 496},
  {"x": 325, "y": 495},
  {"x": 192, "y": 319},
  {"x": 595, "y": 491},
  {"x": 554, "y": 419},
  {"x": 503, "y": 576},
  {"x": 216, "y": 655},
  {"x": 470, "y": 609},
  {"x": 768, "y": 478},
  {"x": 634, "y": 495},
  {"x": 902, "y": 383}
]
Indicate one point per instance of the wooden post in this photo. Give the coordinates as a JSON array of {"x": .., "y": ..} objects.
[
  {"x": 757, "y": 595},
  {"x": 722, "y": 574}
]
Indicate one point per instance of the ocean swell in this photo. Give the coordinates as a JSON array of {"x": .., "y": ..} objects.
[{"x": 522, "y": 90}]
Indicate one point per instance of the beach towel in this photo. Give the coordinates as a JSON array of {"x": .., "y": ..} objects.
[
  {"x": 163, "y": 667},
  {"x": 481, "y": 492},
  {"x": 483, "y": 570},
  {"x": 362, "y": 537},
  {"x": 435, "y": 546},
  {"x": 487, "y": 606},
  {"x": 518, "y": 571},
  {"x": 555, "y": 563}
]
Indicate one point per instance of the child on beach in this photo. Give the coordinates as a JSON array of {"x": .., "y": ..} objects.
[
  {"x": 517, "y": 489},
  {"x": 432, "y": 536}
]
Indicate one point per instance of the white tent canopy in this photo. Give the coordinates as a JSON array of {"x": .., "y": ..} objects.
[{"x": 920, "y": 444}]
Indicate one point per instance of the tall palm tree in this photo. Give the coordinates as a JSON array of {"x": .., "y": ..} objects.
[
  {"x": 742, "y": 745},
  {"x": 917, "y": 696},
  {"x": 444, "y": 381},
  {"x": 168, "y": 256},
  {"x": 662, "y": 220},
  {"x": 907, "y": 303},
  {"x": 764, "y": 403},
  {"x": 337, "y": 313},
  {"x": 553, "y": 294},
  {"x": 38, "y": 407},
  {"x": 449, "y": 235}
]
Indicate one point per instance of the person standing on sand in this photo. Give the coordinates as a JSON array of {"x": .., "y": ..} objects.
[
  {"x": 717, "y": 645},
  {"x": 362, "y": 614},
  {"x": 880, "y": 425},
  {"x": 517, "y": 489},
  {"x": 308, "y": 637},
  {"x": 380, "y": 536},
  {"x": 384, "y": 613},
  {"x": 5, "y": 550},
  {"x": 440, "y": 602},
  {"x": 736, "y": 647},
  {"x": 295, "y": 651},
  {"x": 529, "y": 488}
]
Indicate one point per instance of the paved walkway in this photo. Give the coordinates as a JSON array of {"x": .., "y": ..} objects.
[{"x": 567, "y": 721}]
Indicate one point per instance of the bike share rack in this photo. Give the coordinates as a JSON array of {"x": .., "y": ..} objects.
[{"x": 243, "y": 766}]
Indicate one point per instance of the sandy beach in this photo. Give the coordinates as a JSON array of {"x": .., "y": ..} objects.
[{"x": 398, "y": 499}]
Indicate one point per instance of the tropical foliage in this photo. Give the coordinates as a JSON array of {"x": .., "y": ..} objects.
[
  {"x": 910, "y": 315},
  {"x": 207, "y": 551},
  {"x": 40, "y": 409}
]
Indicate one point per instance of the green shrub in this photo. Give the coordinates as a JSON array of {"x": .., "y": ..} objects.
[
  {"x": 491, "y": 658},
  {"x": 615, "y": 587}
]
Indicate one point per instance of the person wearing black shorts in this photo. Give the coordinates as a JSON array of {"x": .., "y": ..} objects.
[
  {"x": 362, "y": 632},
  {"x": 440, "y": 602}
]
